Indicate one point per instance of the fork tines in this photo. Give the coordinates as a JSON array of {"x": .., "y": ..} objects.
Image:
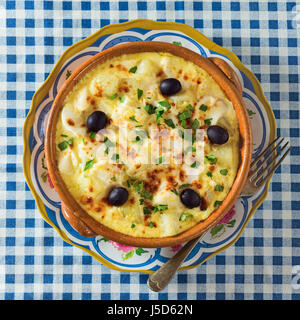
[{"x": 269, "y": 160}]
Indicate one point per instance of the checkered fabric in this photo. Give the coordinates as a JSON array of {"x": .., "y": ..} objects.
[{"x": 35, "y": 263}]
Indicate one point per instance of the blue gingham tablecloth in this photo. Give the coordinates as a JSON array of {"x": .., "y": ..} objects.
[{"x": 35, "y": 263}]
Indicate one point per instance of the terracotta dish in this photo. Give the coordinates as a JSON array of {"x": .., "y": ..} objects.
[{"x": 227, "y": 80}]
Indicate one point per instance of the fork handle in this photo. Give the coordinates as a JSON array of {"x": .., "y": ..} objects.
[{"x": 159, "y": 280}]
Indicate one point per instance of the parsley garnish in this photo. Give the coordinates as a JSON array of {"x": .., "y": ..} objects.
[
  {"x": 217, "y": 203},
  {"x": 132, "y": 118},
  {"x": 184, "y": 216},
  {"x": 218, "y": 187},
  {"x": 150, "y": 108},
  {"x": 139, "y": 93},
  {"x": 64, "y": 145},
  {"x": 178, "y": 43},
  {"x": 160, "y": 207},
  {"x": 203, "y": 107},
  {"x": 209, "y": 174},
  {"x": 170, "y": 123},
  {"x": 185, "y": 115},
  {"x": 224, "y": 172},
  {"x": 159, "y": 112},
  {"x": 174, "y": 191},
  {"x": 185, "y": 185},
  {"x": 195, "y": 124},
  {"x": 165, "y": 104},
  {"x": 211, "y": 159},
  {"x": 88, "y": 164},
  {"x": 93, "y": 134},
  {"x": 146, "y": 210},
  {"x": 208, "y": 121},
  {"x": 160, "y": 160},
  {"x": 108, "y": 144},
  {"x": 133, "y": 69},
  {"x": 195, "y": 164},
  {"x": 146, "y": 194},
  {"x": 114, "y": 96}
]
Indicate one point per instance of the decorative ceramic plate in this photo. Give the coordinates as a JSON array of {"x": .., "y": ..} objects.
[{"x": 112, "y": 254}]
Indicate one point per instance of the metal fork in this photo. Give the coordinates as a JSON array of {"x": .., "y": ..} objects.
[{"x": 261, "y": 169}]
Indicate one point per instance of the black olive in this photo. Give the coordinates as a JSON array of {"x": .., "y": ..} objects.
[
  {"x": 118, "y": 196},
  {"x": 217, "y": 135},
  {"x": 170, "y": 86},
  {"x": 190, "y": 198},
  {"x": 96, "y": 121}
]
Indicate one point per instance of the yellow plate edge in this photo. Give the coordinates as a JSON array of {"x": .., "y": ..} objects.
[{"x": 116, "y": 28}]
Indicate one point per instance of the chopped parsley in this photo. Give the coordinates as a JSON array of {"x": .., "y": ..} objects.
[
  {"x": 170, "y": 123},
  {"x": 160, "y": 160},
  {"x": 217, "y": 203},
  {"x": 150, "y": 108},
  {"x": 88, "y": 164},
  {"x": 114, "y": 96},
  {"x": 209, "y": 174},
  {"x": 184, "y": 216},
  {"x": 218, "y": 187},
  {"x": 203, "y": 107},
  {"x": 181, "y": 133},
  {"x": 138, "y": 140},
  {"x": 146, "y": 194},
  {"x": 208, "y": 121},
  {"x": 147, "y": 210},
  {"x": 224, "y": 172},
  {"x": 151, "y": 224},
  {"x": 178, "y": 43},
  {"x": 138, "y": 185},
  {"x": 185, "y": 185},
  {"x": 160, "y": 207},
  {"x": 195, "y": 164},
  {"x": 65, "y": 144},
  {"x": 64, "y": 135},
  {"x": 133, "y": 69},
  {"x": 211, "y": 159},
  {"x": 187, "y": 113},
  {"x": 165, "y": 104},
  {"x": 132, "y": 226},
  {"x": 132, "y": 118},
  {"x": 122, "y": 99},
  {"x": 195, "y": 124},
  {"x": 93, "y": 134},
  {"x": 108, "y": 144},
  {"x": 139, "y": 93},
  {"x": 159, "y": 112},
  {"x": 174, "y": 191}
]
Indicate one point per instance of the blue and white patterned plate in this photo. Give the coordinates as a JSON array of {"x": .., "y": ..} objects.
[{"x": 110, "y": 253}]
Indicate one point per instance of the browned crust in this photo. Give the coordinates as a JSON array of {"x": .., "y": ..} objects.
[{"x": 231, "y": 88}]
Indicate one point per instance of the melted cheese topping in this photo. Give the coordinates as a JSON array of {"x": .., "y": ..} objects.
[{"x": 144, "y": 151}]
